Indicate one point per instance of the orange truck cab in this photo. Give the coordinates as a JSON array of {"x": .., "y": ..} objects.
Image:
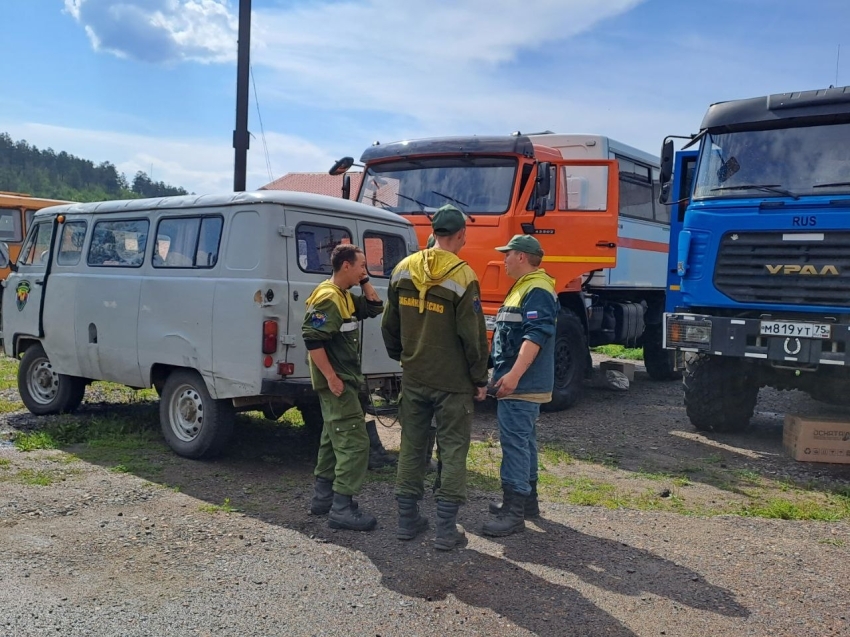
[
  {"x": 16, "y": 213},
  {"x": 590, "y": 201}
]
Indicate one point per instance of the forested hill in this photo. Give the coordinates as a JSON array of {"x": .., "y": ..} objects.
[{"x": 46, "y": 173}]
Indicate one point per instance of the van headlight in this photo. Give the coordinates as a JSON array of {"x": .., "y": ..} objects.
[{"x": 682, "y": 333}]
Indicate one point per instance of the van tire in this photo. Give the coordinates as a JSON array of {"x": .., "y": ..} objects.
[
  {"x": 194, "y": 424},
  {"x": 43, "y": 391},
  {"x": 570, "y": 362},
  {"x": 719, "y": 394}
]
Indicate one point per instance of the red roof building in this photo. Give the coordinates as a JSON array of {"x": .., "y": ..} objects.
[{"x": 318, "y": 183}]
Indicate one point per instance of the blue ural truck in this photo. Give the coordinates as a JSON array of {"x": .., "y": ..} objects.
[{"x": 759, "y": 288}]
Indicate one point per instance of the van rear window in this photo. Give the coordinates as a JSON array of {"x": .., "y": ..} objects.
[{"x": 119, "y": 243}]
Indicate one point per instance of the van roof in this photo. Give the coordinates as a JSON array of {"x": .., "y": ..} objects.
[{"x": 189, "y": 202}]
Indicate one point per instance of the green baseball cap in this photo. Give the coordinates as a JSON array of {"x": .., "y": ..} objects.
[
  {"x": 523, "y": 243},
  {"x": 447, "y": 221}
]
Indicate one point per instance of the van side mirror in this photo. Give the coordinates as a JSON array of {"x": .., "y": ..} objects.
[
  {"x": 4, "y": 255},
  {"x": 542, "y": 187},
  {"x": 667, "y": 154},
  {"x": 346, "y": 187}
]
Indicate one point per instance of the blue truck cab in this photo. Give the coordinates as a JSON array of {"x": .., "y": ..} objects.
[{"x": 759, "y": 262}]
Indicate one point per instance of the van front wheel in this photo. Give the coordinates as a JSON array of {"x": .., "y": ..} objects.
[
  {"x": 42, "y": 389},
  {"x": 194, "y": 424}
]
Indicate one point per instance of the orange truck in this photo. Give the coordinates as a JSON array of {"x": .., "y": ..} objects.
[
  {"x": 16, "y": 212},
  {"x": 589, "y": 200}
]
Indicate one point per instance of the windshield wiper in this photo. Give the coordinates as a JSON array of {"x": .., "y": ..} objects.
[
  {"x": 457, "y": 201},
  {"x": 835, "y": 183},
  {"x": 375, "y": 200},
  {"x": 414, "y": 200},
  {"x": 766, "y": 187}
]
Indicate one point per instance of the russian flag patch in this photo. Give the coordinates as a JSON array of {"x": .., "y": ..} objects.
[{"x": 531, "y": 315}]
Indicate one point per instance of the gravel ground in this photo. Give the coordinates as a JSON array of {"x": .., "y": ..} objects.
[{"x": 153, "y": 548}]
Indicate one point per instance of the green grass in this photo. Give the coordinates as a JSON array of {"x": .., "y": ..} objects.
[
  {"x": 5, "y": 463},
  {"x": 8, "y": 373},
  {"x": 832, "y": 509},
  {"x": 225, "y": 507},
  {"x": 38, "y": 478},
  {"x": 619, "y": 351}
]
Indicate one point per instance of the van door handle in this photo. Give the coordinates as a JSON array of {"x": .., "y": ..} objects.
[
  {"x": 605, "y": 244},
  {"x": 39, "y": 281}
]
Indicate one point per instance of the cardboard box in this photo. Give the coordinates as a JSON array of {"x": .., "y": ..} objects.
[
  {"x": 626, "y": 368},
  {"x": 817, "y": 439}
]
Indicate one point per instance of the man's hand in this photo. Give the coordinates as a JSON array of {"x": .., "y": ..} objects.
[
  {"x": 336, "y": 385},
  {"x": 370, "y": 292},
  {"x": 506, "y": 385},
  {"x": 480, "y": 393}
]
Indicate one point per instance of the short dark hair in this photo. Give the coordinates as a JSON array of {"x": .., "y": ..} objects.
[
  {"x": 534, "y": 260},
  {"x": 344, "y": 253}
]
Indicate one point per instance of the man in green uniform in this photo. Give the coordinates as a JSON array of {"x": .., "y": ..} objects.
[
  {"x": 331, "y": 335},
  {"x": 434, "y": 326},
  {"x": 523, "y": 377}
]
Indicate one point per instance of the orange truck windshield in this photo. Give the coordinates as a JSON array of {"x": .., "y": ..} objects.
[{"x": 477, "y": 185}]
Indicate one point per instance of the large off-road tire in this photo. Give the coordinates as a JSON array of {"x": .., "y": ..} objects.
[
  {"x": 660, "y": 363},
  {"x": 43, "y": 390},
  {"x": 719, "y": 394},
  {"x": 570, "y": 362},
  {"x": 194, "y": 424}
]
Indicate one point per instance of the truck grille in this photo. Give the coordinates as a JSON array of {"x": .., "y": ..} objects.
[{"x": 746, "y": 259}]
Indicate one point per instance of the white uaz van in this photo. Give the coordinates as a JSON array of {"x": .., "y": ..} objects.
[{"x": 201, "y": 297}]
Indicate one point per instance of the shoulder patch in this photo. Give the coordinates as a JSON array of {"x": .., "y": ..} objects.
[
  {"x": 531, "y": 315},
  {"x": 476, "y": 304},
  {"x": 317, "y": 319}
]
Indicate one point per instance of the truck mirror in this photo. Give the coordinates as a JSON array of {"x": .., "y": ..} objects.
[
  {"x": 341, "y": 166},
  {"x": 346, "y": 187},
  {"x": 667, "y": 153},
  {"x": 664, "y": 194},
  {"x": 4, "y": 255},
  {"x": 543, "y": 186}
]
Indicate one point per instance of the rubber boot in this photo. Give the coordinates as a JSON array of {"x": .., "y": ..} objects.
[
  {"x": 449, "y": 535},
  {"x": 323, "y": 496},
  {"x": 378, "y": 456},
  {"x": 344, "y": 515},
  {"x": 410, "y": 523},
  {"x": 430, "y": 463},
  {"x": 511, "y": 518},
  {"x": 532, "y": 505}
]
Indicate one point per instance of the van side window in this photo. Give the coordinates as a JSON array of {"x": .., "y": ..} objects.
[
  {"x": 119, "y": 243},
  {"x": 71, "y": 243},
  {"x": 10, "y": 225},
  {"x": 315, "y": 244},
  {"x": 37, "y": 247},
  {"x": 383, "y": 252},
  {"x": 187, "y": 242}
]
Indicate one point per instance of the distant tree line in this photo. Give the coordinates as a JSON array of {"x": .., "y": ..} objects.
[{"x": 46, "y": 173}]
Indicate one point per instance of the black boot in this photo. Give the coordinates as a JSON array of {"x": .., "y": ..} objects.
[
  {"x": 449, "y": 534},
  {"x": 323, "y": 496},
  {"x": 511, "y": 517},
  {"x": 347, "y": 515},
  {"x": 532, "y": 505},
  {"x": 410, "y": 523},
  {"x": 430, "y": 463},
  {"x": 378, "y": 456}
]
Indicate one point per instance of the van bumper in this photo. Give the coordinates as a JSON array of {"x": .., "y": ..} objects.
[{"x": 290, "y": 389}]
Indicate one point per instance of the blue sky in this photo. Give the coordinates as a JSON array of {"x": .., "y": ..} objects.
[{"x": 150, "y": 84}]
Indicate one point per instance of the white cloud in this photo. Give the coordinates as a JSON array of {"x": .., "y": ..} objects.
[
  {"x": 160, "y": 31},
  {"x": 198, "y": 165}
]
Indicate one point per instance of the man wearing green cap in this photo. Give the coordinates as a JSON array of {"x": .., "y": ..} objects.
[
  {"x": 523, "y": 354},
  {"x": 434, "y": 326}
]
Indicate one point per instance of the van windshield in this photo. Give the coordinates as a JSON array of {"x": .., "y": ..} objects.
[
  {"x": 789, "y": 162},
  {"x": 478, "y": 185}
]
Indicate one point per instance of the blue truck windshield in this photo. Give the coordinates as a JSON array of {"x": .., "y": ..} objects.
[
  {"x": 478, "y": 185},
  {"x": 774, "y": 163}
]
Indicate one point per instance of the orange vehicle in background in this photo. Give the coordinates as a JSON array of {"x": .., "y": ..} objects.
[
  {"x": 591, "y": 202},
  {"x": 16, "y": 211}
]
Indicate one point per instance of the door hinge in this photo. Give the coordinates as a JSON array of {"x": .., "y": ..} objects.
[
  {"x": 288, "y": 340},
  {"x": 286, "y": 231}
]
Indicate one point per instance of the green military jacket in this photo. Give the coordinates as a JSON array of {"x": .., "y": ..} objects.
[
  {"x": 331, "y": 321},
  {"x": 433, "y": 323}
]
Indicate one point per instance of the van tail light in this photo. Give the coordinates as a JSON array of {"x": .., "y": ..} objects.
[
  {"x": 269, "y": 337},
  {"x": 286, "y": 369}
]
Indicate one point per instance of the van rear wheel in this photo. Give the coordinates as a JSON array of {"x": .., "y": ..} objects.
[
  {"x": 195, "y": 425},
  {"x": 43, "y": 390}
]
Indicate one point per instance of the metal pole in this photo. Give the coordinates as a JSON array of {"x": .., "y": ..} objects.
[{"x": 240, "y": 135}]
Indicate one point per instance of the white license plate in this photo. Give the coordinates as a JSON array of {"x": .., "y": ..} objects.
[{"x": 798, "y": 330}]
